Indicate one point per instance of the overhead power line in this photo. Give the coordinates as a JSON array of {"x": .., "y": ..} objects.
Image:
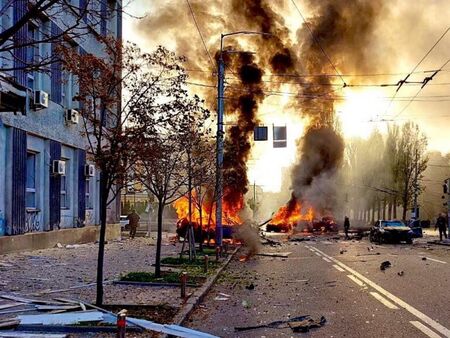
[
  {"x": 402, "y": 82},
  {"x": 200, "y": 33},
  {"x": 318, "y": 43}
]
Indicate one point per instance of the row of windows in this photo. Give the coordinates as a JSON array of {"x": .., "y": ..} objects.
[{"x": 32, "y": 188}]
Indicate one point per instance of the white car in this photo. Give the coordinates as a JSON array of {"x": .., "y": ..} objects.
[{"x": 123, "y": 222}]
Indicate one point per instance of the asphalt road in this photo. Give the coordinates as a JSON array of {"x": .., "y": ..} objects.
[{"x": 348, "y": 288}]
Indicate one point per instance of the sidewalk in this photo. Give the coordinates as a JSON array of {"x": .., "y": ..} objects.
[{"x": 48, "y": 270}]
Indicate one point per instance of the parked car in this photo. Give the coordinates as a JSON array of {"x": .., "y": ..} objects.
[
  {"x": 326, "y": 224},
  {"x": 391, "y": 232},
  {"x": 416, "y": 228},
  {"x": 183, "y": 223},
  {"x": 124, "y": 222}
]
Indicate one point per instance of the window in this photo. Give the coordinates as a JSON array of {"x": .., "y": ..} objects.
[
  {"x": 33, "y": 48},
  {"x": 30, "y": 195},
  {"x": 64, "y": 189},
  {"x": 88, "y": 194}
]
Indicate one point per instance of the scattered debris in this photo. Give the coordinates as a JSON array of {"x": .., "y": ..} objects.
[
  {"x": 222, "y": 296},
  {"x": 306, "y": 324},
  {"x": 400, "y": 273},
  {"x": 250, "y": 287},
  {"x": 58, "y": 245},
  {"x": 384, "y": 265},
  {"x": 68, "y": 318},
  {"x": 9, "y": 305},
  {"x": 341, "y": 251},
  {"x": 9, "y": 323},
  {"x": 297, "y": 324},
  {"x": 246, "y": 304},
  {"x": 275, "y": 254},
  {"x": 424, "y": 258}
]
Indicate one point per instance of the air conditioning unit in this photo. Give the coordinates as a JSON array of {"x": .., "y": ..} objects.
[
  {"x": 72, "y": 116},
  {"x": 89, "y": 170},
  {"x": 59, "y": 167},
  {"x": 40, "y": 99}
]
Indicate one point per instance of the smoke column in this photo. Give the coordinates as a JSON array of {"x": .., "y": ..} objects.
[{"x": 343, "y": 28}]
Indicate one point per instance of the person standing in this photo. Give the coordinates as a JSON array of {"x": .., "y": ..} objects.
[
  {"x": 441, "y": 224},
  {"x": 133, "y": 219},
  {"x": 346, "y": 226}
]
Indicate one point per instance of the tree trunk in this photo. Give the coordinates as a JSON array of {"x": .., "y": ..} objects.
[
  {"x": 159, "y": 239},
  {"x": 200, "y": 213},
  {"x": 384, "y": 208},
  {"x": 390, "y": 210},
  {"x": 101, "y": 243},
  {"x": 395, "y": 208}
]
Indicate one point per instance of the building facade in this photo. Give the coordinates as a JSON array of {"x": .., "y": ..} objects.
[{"x": 46, "y": 179}]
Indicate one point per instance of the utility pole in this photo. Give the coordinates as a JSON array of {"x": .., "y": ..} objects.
[
  {"x": 416, "y": 188},
  {"x": 254, "y": 199},
  {"x": 220, "y": 133},
  {"x": 219, "y": 144}
]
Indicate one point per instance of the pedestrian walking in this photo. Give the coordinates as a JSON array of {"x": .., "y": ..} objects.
[
  {"x": 441, "y": 224},
  {"x": 346, "y": 226},
  {"x": 133, "y": 219}
]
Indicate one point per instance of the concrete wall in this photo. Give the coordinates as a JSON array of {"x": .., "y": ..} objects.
[{"x": 44, "y": 240}]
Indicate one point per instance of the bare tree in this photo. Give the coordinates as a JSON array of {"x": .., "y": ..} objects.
[
  {"x": 112, "y": 124},
  {"x": 30, "y": 28},
  {"x": 164, "y": 156}
]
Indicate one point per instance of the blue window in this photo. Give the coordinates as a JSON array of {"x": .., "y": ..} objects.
[
  {"x": 30, "y": 198},
  {"x": 65, "y": 188}
]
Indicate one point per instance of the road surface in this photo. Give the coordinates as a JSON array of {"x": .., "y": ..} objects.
[{"x": 340, "y": 280}]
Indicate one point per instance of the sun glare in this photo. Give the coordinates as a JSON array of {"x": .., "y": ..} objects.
[{"x": 361, "y": 111}]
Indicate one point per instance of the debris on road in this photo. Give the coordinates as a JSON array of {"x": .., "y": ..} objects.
[
  {"x": 424, "y": 258},
  {"x": 384, "y": 265},
  {"x": 400, "y": 273},
  {"x": 297, "y": 324},
  {"x": 307, "y": 324},
  {"x": 341, "y": 251},
  {"x": 275, "y": 254},
  {"x": 246, "y": 304}
]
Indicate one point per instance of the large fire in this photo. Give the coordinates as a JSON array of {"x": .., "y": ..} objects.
[
  {"x": 288, "y": 216},
  {"x": 204, "y": 211}
]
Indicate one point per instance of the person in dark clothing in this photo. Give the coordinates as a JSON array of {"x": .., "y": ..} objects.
[
  {"x": 441, "y": 224},
  {"x": 133, "y": 223},
  {"x": 346, "y": 226}
]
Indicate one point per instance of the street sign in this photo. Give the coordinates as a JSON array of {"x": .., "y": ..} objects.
[
  {"x": 279, "y": 137},
  {"x": 260, "y": 133}
]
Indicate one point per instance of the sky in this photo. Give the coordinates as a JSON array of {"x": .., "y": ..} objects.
[{"x": 402, "y": 37}]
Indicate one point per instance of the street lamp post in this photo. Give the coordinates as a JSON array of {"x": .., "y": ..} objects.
[{"x": 220, "y": 133}]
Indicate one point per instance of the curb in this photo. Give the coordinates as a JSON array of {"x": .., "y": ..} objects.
[{"x": 199, "y": 294}]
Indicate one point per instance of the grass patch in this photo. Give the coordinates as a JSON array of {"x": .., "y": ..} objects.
[
  {"x": 184, "y": 262},
  {"x": 142, "y": 276}
]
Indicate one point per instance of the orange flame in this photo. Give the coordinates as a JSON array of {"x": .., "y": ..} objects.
[
  {"x": 204, "y": 212},
  {"x": 287, "y": 218}
]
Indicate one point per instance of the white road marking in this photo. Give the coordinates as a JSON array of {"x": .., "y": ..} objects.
[
  {"x": 384, "y": 300},
  {"x": 318, "y": 254},
  {"x": 326, "y": 259},
  {"x": 425, "y": 329},
  {"x": 356, "y": 280},
  {"x": 436, "y": 260},
  {"x": 338, "y": 268},
  {"x": 423, "y": 317}
]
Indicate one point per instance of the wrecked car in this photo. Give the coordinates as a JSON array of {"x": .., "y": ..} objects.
[{"x": 391, "y": 232}]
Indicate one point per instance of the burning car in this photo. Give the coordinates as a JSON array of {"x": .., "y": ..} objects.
[
  {"x": 390, "y": 232},
  {"x": 326, "y": 224},
  {"x": 202, "y": 233}
]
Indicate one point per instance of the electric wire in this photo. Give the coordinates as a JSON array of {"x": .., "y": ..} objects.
[
  {"x": 318, "y": 43},
  {"x": 401, "y": 82},
  {"x": 200, "y": 33}
]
